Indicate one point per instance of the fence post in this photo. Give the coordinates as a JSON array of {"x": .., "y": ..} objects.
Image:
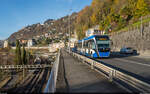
[
  {"x": 92, "y": 65},
  {"x": 111, "y": 75},
  {"x": 23, "y": 73},
  {"x": 83, "y": 60}
]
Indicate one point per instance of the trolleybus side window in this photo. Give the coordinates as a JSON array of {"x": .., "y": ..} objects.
[
  {"x": 93, "y": 45},
  {"x": 79, "y": 45},
  {"x": 86, "y": 44}
]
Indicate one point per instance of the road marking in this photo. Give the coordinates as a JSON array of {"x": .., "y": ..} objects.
[{"x": 129, "y": 61}]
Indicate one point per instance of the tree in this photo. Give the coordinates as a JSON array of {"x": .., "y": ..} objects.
[
  {"x": 80, "y": 34},
  {"x": 18, "y": 53},
  {"x": 94, "y": 19},
  {"x": 48, "y": 40},
  {"x": 141, "y": 8},
  {"x": 24, "y": 56},
  {"x": 83, "y": 21},
  {"x": 132, "y": 7},
  {"x": 114, "y": 14}
]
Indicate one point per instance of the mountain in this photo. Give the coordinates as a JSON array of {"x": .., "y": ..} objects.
[{"x": 50, "y": 25}]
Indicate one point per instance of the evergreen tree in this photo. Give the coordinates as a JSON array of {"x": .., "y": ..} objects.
[
  {"x": 24, "y": 57},
  {"x": 28, "y": 57},
  {"x": 18, "y": 53}
]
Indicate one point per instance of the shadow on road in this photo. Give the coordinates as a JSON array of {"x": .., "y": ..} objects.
[
  {"x": 119, "y": 55},
  {"x": 114, "y": 54},
  {"x": 97, "y": 87}
]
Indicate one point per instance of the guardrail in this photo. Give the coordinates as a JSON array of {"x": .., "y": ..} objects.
[
  {"x": 124, "y": 80},
  {"x": 51, "y": 84}
]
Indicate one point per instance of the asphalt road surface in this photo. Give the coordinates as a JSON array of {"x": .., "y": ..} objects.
[{"x": 131, "y": 63}]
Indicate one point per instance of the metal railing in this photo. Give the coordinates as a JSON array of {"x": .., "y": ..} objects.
[
  {"x": 24, "y": 66},
  {"x": 116, "y": 75},
  {"x": 51, "y": 84}
]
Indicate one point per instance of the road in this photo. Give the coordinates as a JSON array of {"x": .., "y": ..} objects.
[{"x": 131, "y": 63}]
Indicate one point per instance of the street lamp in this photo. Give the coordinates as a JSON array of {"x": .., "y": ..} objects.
[{"x": 69, "y": 29}]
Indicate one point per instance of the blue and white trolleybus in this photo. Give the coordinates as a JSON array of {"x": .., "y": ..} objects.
[{"x": 96, "y": 46}]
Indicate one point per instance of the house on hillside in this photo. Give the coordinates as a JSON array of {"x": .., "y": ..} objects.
[
  {"x": 55, "y": 46},
  {"x": 24, "y": 41},
  {"x": 5, "y": 43},
  {"x": 31, "y": 42}
]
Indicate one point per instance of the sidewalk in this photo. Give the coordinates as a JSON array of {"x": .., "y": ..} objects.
[{"x": 78, "y": 77}]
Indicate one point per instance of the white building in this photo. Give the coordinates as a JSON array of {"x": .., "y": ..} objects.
[
  {"x": 31, "y": 42},
  {"x": 72, "y": 42},
  {"x": 5, "y": 43},
  {"x": 53, "y": 47},
  {"x": 94, "y": 31}
]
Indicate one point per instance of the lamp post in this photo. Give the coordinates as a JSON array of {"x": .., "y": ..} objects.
[{"x": 69, "y": 29}]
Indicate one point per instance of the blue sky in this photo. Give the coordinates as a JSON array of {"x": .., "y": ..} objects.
[{"x": 16, "y": 14}]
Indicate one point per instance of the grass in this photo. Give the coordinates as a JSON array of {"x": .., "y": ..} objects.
[{"x": 12, "y": 50}]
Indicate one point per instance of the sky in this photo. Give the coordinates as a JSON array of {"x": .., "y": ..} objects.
[{"x": 16, "y": 14}]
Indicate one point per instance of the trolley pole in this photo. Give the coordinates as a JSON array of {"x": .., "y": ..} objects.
[{"x": 69, "y": 33}]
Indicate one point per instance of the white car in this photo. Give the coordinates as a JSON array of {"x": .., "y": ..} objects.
[{"x": 127, "y": 50}]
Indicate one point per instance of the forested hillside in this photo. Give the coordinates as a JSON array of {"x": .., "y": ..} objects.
[{"x": 111, "y": 14}]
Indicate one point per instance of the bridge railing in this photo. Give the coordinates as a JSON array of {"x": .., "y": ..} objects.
[
  {"x": 24, "y": 66},
  {"x": 128, "y": 82},
  {"x": 51, "y": 84}
]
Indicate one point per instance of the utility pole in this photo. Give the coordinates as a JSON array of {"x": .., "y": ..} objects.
[{"x": 69, "y": 29}]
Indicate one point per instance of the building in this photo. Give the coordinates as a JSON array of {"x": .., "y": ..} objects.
[
  {"x": 53, "y": 47},
  {"x": 31, "y": 42},
  {"x": 94, "y": 31},
  {"x": 24, "y": 41},
  {"x": 47, "y": 35},
  {"x": 5, "y": 43},
  {"x": 72, "y": 42}
]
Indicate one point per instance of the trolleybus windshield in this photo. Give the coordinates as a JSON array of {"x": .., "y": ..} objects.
[{"x": 102, "y": 41}]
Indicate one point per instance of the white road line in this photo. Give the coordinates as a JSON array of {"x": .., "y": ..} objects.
[{"x": 129, "y": 61}]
